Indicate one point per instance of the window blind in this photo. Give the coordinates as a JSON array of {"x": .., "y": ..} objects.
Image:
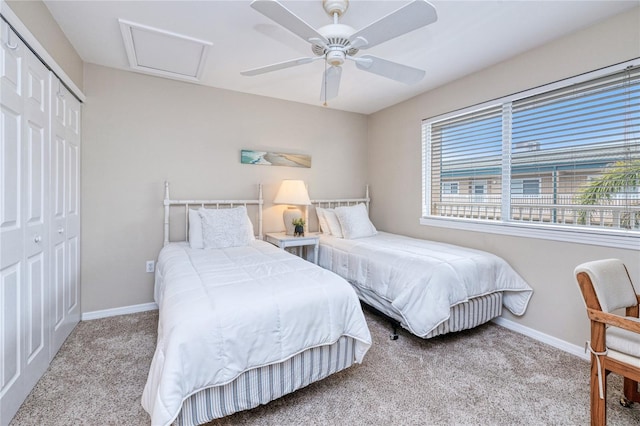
[
  {"x": 466, "y": 164},
  {"x": 581, "y": 143},
  {"x": 569, "y": 157}
]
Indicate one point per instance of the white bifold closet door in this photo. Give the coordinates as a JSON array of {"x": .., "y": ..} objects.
[
  {"x": 65, "y": 212},
  {"x": 24, "y": 233},
  {"x": 39, "y": 219}
]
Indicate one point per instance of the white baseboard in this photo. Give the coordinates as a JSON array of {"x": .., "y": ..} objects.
[
  {"x": 511, "y": 325},
  {"x": 544, "y": 338},
  {"x": 87, "y": 316}
]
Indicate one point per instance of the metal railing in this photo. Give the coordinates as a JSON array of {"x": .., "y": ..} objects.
[{"x": 542, "y": 210}]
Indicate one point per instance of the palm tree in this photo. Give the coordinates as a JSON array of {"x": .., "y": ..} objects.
[{"x": 617, "y": 178}]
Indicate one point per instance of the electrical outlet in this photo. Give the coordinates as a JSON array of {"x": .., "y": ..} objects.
[{"x": 151, "y": 266}]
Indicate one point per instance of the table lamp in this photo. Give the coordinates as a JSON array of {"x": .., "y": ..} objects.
[{"x": 293, "y": 193}]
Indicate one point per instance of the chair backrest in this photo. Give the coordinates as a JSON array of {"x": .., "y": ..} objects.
[{"x": 611, "y": 283}]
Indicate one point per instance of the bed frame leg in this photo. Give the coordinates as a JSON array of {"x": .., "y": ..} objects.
[
  {"x": 394, "y": 333},
  {"x": 392, "y": 322}
]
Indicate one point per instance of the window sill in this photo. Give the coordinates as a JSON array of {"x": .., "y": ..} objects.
[{"x": 608, "y": 238}]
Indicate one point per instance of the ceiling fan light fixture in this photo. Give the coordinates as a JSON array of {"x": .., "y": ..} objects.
[{"x": 335, "y": 58}]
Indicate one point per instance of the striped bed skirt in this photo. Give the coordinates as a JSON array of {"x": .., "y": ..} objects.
[
  {"x": 463, "y": 316},
  {"x": 263, "y": 384},
  {"x": 472, "y": 313}
]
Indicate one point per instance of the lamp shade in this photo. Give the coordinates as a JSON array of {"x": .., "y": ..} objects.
[{"x": 292, "y": 192}]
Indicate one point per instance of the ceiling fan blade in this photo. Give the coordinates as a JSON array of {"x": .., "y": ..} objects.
[
  {"x": 393, "y": 70},
  {"x": 284, "y": 17},
  {"x": 278, "y": 66},
  {"x": 359, "y": 43},
  {"x": 330, "y": 83},
  {"x": 414, "y": 15}
]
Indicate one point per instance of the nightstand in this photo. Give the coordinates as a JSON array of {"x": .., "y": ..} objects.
[{"x": 284, "y": 241}]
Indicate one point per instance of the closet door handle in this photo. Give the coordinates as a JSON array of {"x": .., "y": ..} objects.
[
  {"x": 60, "y": 230},
  {"x": 37, "y": 239}
]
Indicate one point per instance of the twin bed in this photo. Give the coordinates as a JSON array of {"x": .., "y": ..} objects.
[
  {"x": 429, "y": 288},
  {"x": 243, "y": 322}
]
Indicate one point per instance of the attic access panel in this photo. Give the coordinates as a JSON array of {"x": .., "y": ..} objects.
[{"x": 154, "y": 51}]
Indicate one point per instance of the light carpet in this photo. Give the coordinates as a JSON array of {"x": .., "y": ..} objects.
[{"x": 486, "y": 376}]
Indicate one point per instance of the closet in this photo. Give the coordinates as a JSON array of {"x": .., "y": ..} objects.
[{"x": 39, "y": 219}]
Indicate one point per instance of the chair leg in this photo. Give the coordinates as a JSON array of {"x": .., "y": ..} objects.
[
  {"x": 598, "y": 405},
  {"x": 631, "y": 391}
]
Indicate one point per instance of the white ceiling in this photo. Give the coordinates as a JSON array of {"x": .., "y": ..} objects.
[{"x": 468, "y": 36}]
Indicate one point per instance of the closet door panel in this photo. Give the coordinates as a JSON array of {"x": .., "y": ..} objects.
[
  {"x": 65, "y": 177},
  {"x": 11, "y": 232},
  {"x": 10, "y": 330},
  {"x": 73, "y": 285},
  {"x": 58, "y": 278},
  {"x": 24, "y": 215},
  {"x": 36, "y": 329},
  {"x": 11, "y": 255},
  {"x": 11, "y": 225},
  {"x": 34, "y": 185},
  {"x": 11, "y": 116},
  {"x": 73, "y": 210},
  {"x": 58, "y": 222},
  {"x": 11, "y": 70},
  {"x": 36, "y": 178}
]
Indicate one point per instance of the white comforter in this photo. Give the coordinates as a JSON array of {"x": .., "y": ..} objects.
[
  {"x": 225, "y": 311},
  {"x": 422, "y": 279}
]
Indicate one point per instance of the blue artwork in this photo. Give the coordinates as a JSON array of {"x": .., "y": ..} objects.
[{"x": 267, "y": 158}]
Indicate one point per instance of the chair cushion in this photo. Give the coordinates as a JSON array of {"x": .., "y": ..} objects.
[
  {"x": 619, "y": 356},
  {"x": 611, "y": 283},
  {"x": 624, "y": 341}
]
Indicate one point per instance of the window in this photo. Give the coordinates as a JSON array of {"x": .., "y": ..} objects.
[
  {"x": 561, "y": 158},
  {"x": 525, "y": 187},
  {"x": 449, "y": 188}
]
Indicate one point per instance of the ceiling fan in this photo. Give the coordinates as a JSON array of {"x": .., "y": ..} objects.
[{"x": 337, "y": 42}]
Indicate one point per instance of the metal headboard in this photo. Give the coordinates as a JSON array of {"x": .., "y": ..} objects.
[
  {"x": 337, "y": 202},
  {"x": 168, "y": 203}
]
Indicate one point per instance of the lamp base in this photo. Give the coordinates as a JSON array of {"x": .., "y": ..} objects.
[{"x": 289, "y": 215}]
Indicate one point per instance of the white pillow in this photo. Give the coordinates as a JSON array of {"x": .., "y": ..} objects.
[
  {"x": 195, "y": 230},
  {"x": 322, "y": 221},
  {"x": 196, "y": 240},
  {"x": 333, "y": 222},
  {"x": 223, "y": 228},
  {"x": 355, "y": 222}
]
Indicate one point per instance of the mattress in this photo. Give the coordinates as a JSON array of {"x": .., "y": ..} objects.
[
  {"x": 420, "y": 281},
  {"x": 224, "y": 312}
]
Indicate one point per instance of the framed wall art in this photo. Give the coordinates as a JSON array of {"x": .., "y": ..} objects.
[{"x": 269, "y": 158}]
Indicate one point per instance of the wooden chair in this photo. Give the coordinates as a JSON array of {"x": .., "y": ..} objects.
[{"x": 615, "y": 340}]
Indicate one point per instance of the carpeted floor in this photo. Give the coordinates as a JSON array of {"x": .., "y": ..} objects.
[{"x": 486, "y": 376}]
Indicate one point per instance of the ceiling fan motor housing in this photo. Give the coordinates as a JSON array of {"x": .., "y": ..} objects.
[{"x": 338, "y": 37}]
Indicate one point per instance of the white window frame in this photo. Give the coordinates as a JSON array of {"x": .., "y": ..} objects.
[{"x": 591, "y": 236}]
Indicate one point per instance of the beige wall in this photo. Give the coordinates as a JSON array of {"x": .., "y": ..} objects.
[
  {"x": 35, "y": 15},
  {"x": 139, "y": 131},
  {"x": 394, "y": 158}
]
